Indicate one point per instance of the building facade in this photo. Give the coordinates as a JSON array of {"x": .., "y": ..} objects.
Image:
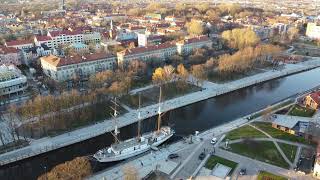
[
  {"x": 186, "y": 46},
  {"x": 12, "y": 81},
  {"x": 313, "y": 31},
  {"x": 9, "y": 55},
  {"x": 66, "y": 68}
]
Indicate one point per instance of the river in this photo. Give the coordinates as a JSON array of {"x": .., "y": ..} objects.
[{"x": 185, "y": 120}]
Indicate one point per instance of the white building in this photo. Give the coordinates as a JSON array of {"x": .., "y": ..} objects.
[
  {"x": 188, "y": 45},
  {"x": 9, "y": 55},
  {"x": 12, "y": 81},
  {"x": 66, "y": 68},
  {"x": 313, "y": 31},
  {"x": 147, "y": 39}
]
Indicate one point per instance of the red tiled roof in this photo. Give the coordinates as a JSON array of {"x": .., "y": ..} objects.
[
  {"x": 7, "y": 50},
  {"x": 316, "y": 97},
  {"x": 139, "y": 50},
  {"x": 64, "y": 61},
  {"x": 64, "y": 32},
  {"x": 18, "y": 42},
  {"x": 43, "y": 38}
]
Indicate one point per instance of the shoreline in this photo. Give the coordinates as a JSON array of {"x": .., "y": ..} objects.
[{"x": 210, "y": 90}]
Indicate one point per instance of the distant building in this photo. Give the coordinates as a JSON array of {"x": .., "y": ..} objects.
[
  {"x": 66, "y": 68},
  {"x": 161, "y": 52},
  {"x": 9, "y": 55},
  {"x": 188, "y": 45},
  {"x": 291, "y": 124},
  {"x": 20, "y": 44},
  {"x": 313, "y": 100},
  {"x": 147, "y": 40},
  {"x": 12, "y": 81},
  {"x": 313, "y": 31}
]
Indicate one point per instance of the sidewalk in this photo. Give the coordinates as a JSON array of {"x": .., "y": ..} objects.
[{"x": 211, "y": 90}]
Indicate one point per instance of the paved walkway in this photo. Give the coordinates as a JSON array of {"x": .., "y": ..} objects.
[{"x": 210, "y": 90}]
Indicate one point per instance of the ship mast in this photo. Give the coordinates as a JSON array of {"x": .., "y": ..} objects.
[
  {"x": 139, "y": 118},
  {"x": 159, "y": 111},
  {"x": 114, "y": 115}
]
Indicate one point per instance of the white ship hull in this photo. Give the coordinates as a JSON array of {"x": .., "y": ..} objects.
[
  {"x": 155, "y": 140},
  {"x": 123, "y": 156}
]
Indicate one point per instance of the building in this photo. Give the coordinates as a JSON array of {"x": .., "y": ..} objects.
[
  {"x": 12, "y": 81},
  {"x": 66, "y": 68},
  {"x": 161, "y": 52},
  {"x": 9, "y": 55},
  {"x": 147, "y": 39},
  {"x": 313, "y": 100},
  {"x": 20, "y": 44},
  {"x": 313, "y": 31},
  {"x": 188, "y": 45},
  {"x": 316, "y": 168},
  {"x": 291, "y": 124}
]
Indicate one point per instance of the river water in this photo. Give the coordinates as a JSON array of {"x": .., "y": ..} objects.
[{"x": 199, "y": 116}]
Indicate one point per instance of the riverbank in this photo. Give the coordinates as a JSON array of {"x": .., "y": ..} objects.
[{"x": 210, "y": 90}]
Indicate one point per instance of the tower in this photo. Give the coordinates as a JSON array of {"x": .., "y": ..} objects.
[{"x": 62, "y": 5}]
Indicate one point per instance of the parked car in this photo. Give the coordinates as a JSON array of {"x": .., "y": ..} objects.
[
  {"x": 242, "y": 171},
  {"x": 213, "y": 140},
  {"x": 173, "y": 156},
  {"x": 202, "y": 156}
]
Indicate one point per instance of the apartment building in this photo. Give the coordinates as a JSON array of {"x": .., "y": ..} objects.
[
  {"x": 9, "y": 55},
  {"x": 161, "y": 52},
  {"x": 12, "y": 81},
  {"x": 313, "y": 30},
  {"x": 66, "y": 68},
  {"x": 20, "y": 44},
  {"x": 186, "y": 46}
]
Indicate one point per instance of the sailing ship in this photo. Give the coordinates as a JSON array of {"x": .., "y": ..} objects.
[{"x": 121, "y": 150}]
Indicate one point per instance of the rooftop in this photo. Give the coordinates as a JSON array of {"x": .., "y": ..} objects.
[
  {"x": 289, "y": 121},
  {"x": 64, "y": 61},
  {"x": 9, "y": 73},
  {"x": 18, "y": 42},
  {"x": 138, "y": 50}
]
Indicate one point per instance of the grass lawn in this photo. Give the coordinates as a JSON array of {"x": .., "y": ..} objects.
[
  {"x": 151, "y": 96},
  {"x": 213, "y": 160},
  {"x": 244, "y": 132},
  {"x": 264, "y": 151},
  {"x": 263, "y": 175},
  {"x": 301, "y": 111},
  {"x": 278, "y": 134},
  {"x": 273, "y": 108},
  {"x": 289, "y": 150}
]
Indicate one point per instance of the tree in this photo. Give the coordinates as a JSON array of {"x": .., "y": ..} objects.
[
  {"x": 158, "y": 77},
  {"x": 182, "y": 72},
  {"x": 240, "y": 38},
  {"x": 152, "y": 7},
  {"x": 293, "y": 33},
  {"x": 202, "y": 7},
  {"x": 213, "y": 15},
  {"x": 168, "y": 73},
  {"x": 195, "y": 27},
  {"x": 78, "y": 168},
  {"x": 198, "y": 72}
]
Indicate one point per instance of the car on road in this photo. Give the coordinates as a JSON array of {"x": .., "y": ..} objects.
[
  {"x": 242, "y": 171},
  {"x": 173, "y": 156},
  {"x": 213, "y": 140},
  {"x": 202, "y": 156}
]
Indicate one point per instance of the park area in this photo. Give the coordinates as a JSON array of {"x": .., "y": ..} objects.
[
  {"x": 278, "y": 134},
  {"x": 297, "y": 110},
  {"x": 264, "y": 151},
  {"x": 244, "y": 132},
  {"x": 263, "y": 175},
  {"x": 67, "y": 121},
  {"x": 151, "y": 96}
]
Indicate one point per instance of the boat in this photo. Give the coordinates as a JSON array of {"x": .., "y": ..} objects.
[{"x": 121, "y": 150}]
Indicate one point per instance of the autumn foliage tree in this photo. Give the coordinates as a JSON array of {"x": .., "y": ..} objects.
[
  {"x": 195, "y": 27},
  {"x": 240, "y": 38},
  {"x": 78, "y": 168}
]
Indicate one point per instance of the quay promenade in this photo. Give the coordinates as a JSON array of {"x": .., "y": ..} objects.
[{"x": 210, "y": 90}]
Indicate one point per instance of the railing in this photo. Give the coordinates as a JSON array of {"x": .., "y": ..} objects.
[{"x": 171, "y": 104}]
